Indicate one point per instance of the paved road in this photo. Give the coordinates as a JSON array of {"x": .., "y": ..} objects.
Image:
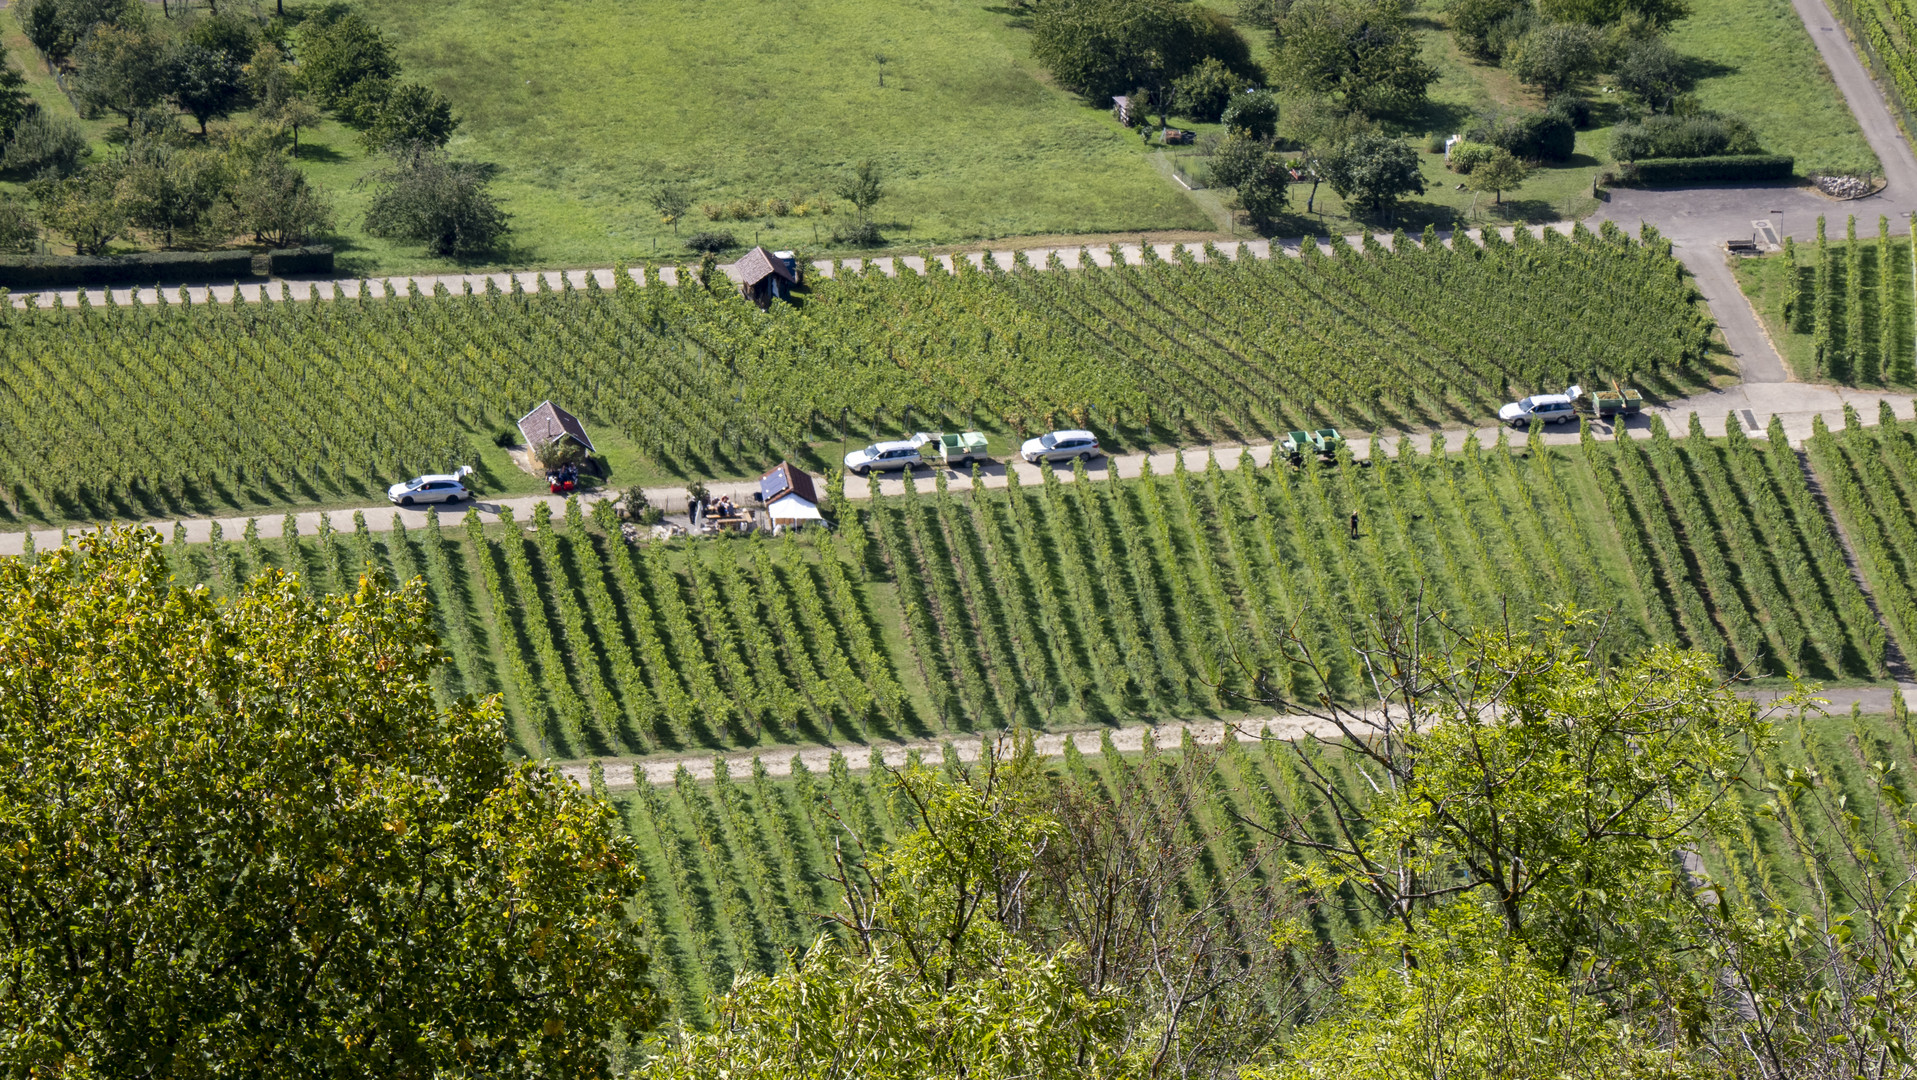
[{"x": 625, "y": 772}]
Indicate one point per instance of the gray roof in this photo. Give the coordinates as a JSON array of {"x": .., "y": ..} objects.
[
  {"x": 550, "y": 423},
  {"x": 757, "y": 265}
]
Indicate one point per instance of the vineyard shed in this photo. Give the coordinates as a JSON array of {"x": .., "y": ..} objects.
[
  {"x": 549, "y": 423},
  {"x": 789, "y": 497},
  {"x": 763, "y": 276}
]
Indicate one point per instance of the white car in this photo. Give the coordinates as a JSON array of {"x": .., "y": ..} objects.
[
  {"x": 431, "y": 488},
  {"x": 1060, "y": 446},
  {"x": 1540, "y": 409},
  {"x": 883, "y": 457}
]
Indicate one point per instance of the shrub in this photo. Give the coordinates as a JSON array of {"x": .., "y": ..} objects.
[
  {"x": 43, "y": 146},
  {"x": 1203, "y": 92},
  {"x": 1467, "y": 155},
  {"x": 1572, "y": 107},
  {"x": 1708, "y": 170},
  {"x": 859, "y": 234},
  {"x": 1254, "y": 113},
  {"x": 1699, "y": 135},
  {"x": 67, "y": 271},
  {"x": 1434, "y": 143},
  {"x": 1532, "y": 136},
  {"x": 506, "y": 438},
  {"x": 712, "y": 242},
  {"x": 1476, "y": 25},
  {"x": 1552, "y": 56},
  {"x": 442, "y": 204}
]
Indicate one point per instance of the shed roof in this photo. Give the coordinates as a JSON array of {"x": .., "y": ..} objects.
[
  {"x": 784, "y": 480},
  {"x": 757, "y": 265},
  {"x": 550, "y": 423}
]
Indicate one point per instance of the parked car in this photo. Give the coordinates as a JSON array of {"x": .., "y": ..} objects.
[
  {"x": 883, "y": 457},
  {"x": 1060, "y": 446},
  {"x": 1540, "y": 409},
  {"x": 431, "y": 488}
]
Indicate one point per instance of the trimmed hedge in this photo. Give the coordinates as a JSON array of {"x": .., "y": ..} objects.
[
  {"x": 145, "y": 268},
  {"x": 313, "y": 259},
  {"x": 1706, "y": 170}
]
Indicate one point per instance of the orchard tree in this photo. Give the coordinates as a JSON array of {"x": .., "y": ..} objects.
[
  {"x": 84, "y": 208},
  {"x": 1372, "y": 172},
  {"x": 412, "y": 120},
  {"x": 206, "y": 84},
  {"x": 1654, "y": 72},
  {"x": 1498, "y": 173},
  {"x": 1103, "y": 48},
  {"x": 445, "y": 205},
  {"x": 1361, "y": 50},
  {"x": 1553, "y": 56},
  {"x": 672, "y": 201},
  {"x": 241, "y": 837},
  {"x": 122, "y": 70},
  {"x": 863, "y": 187},
  {"x": 1254, "y": 114},
  {"x": 338, "y": 54}
]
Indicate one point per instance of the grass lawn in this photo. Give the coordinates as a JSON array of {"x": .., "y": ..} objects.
[
  {"x": 585, "y": 106},
  {"x": 1757, "y": 61}
]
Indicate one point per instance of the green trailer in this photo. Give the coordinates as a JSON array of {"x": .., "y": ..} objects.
[
  {"x": 1324, "y": 442},
  {"x": 1617, "y": 401}
]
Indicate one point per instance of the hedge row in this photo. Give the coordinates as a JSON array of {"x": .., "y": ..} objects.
[
  {"x": 1677, "y": 171},
  {"x": 146, "y": 268}
]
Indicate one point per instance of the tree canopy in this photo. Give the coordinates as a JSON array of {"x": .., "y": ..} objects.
[
  {"x": 1103, "y": 48},
  {"x": 1361, "y": 50},
  {"x": 1372, "y": 172},
  {"x": 240, "y": 837}
]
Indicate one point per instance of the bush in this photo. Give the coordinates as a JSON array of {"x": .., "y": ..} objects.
[
  {"x": 1531, "y": 136},
  {"x": 712, "y": 242},
  {"x": 1696, "y": 136},
  {"x": 1468, "y": 155},
  {"x": 1552, "y": 56},
  {"x": 1254, "y": 113},
  {"x": 1572, "y": 107},
  {"x": 1707, "y": 170},
  {"x": 442, "y": 204},
  {"x": 506, "y": 438},
  {"x": 313, "y": 260},
  {"x": 43, "y": 146},
  {"x": 1476, "y": 24},
  {"x": 68, "y": 271},
  {"x": 1203, "y": 92},
  {"x": 861, "y": 234}
]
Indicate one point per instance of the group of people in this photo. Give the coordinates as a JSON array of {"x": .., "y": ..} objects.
[
  {"x": 563, "y": 479},
  {"x": 722, "y": 507}
]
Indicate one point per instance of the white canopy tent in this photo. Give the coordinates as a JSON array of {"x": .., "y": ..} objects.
[{"x": 788, "y": 510}]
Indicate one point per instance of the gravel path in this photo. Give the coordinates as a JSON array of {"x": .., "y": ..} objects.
[{"x": 624, "y": 772}]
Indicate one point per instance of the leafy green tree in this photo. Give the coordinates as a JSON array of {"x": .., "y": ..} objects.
[
  {"x": 672, "y": 201},
  {"x": 122, "y": 70},
  {"x": 1475, "y": 23},
  {"x": 1255, "y": 114},
  {"x": 1102, "y": 48},
  {"x": 1260, "y": 178},
  {"x": 270, "y": 79},
  {"x": 1553, "y": 56},
  {"x": 242, "y": 837},
  {"x": 1203, "y": 92},
  {"x": 16, "y": 103},
  {"x": 19, "y": 232},
  {"x": 275, "y": 202},
  {"x": 442, "y": 204},
  {"x": 1361, "y": 50},
  {"x": 84, "y": 208},
  {"x": 44, "y": 146},
  {"x": 412, "y": 120},
  {"x": 1372, "y": 172},
  {"x": 205, "y": 83},
  {"x": 338, "y": 53},
  {"x": 1458, "y": 997},
  {"x": 863, "y": 187},
  {"x": 1516, "y": 772},
  {"x": 1653, "y": 71},
  {"x": 296, "y": 114},
  {"x": 171, "y": 193},
  {"x": 58, "y": 27},
  {"x": 225, "y": 32},
  {"x": 1499, "y": 172}
]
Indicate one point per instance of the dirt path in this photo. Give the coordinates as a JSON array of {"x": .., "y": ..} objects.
[{"x": 624, "y": 772}]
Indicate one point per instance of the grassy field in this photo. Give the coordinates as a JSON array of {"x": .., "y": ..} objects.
[
  {"x": 585, "y": 107},
  {"x": 1867, "y": 337},
  {"x": 1102, "y": 601}
]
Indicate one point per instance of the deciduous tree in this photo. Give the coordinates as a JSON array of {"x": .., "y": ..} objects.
[
  {"x": 1361, "y": 50},
  {"x": 1371, "y": 172},
  {"x": 445, "y": 205},
  {"x": 242, "y": 836}
]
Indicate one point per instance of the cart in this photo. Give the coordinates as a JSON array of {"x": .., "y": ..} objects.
[{"x": 943, "y": 448}]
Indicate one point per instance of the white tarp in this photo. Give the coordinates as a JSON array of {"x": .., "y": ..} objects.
[{"x": 793, "y": 508}]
